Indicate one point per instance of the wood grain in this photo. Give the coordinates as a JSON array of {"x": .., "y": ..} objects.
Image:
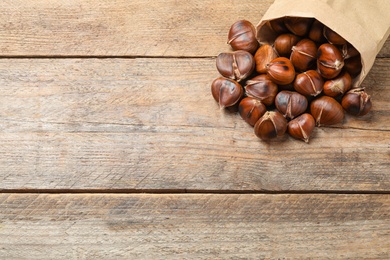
[
  {"x": 194, "y": 226},
  {"x": 111, "y": 94},
  {"x": 142, "y": 124},
  {"x": 123, "y": 28}
]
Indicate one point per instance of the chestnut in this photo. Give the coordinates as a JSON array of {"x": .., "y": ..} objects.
[
  {"x": 237, "y": 65},
  {"x": 304, "y": 55},
  {"x": 290, "y": 103},
  {"x": 338, "y": 86},
  {"x": 356, "y": 102},
  {"x": 329, "y": 61},
  {"x": 333, "y": 37},
  {"x": 251, "y": 109},
  {"x": 298, "y": 25},
  {"x": 309, "y": 83},
  {"x": 262, "y": 88},
  {"x": 271, "y": 125},
  {"x": 284, "y": 43},
  {"x": 348, "y": 51},
  {"x": 316, "y": 32},
  {"x": 281, "y": 71},
  {"x": 301, "y": 127},
  {"x": 326, "y": 111},
  {"x": 264, "y": 55},
  {"x": 277, "y": 25},
  {"x": 353, "y": 66},
  {"x": 226, "y": 92},
  {"x": 242, "y": 36}
]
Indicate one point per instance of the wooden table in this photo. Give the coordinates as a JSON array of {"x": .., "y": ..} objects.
[{"x": 111, "y": 146}]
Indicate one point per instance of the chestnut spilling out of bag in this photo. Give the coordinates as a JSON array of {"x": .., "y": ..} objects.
[{"x": 302, "y": 65}]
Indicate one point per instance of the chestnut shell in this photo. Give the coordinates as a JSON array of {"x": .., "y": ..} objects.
[
  {"x": 301, "y": 127},
  {"x": 242, "y": 36},
  {"x": 326, "y": 111},
  {"x": 271, "y": 125},
  {"x": 226, "y": 92},
  {"x": 281, "y": 71}
]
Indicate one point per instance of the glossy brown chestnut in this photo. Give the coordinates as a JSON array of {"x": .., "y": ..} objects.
[
  {"x": 290, "y": 103},
  {"x": 271, "y": 125},
  {"x": 226, "y": 92},
  {"x": 338, "y": 86},
  {"x": 236, "y": 65},
  {"x": 348, "y": 51},
  {"x": 333, "y": 37},
  {"x": 304, "y": 55},
  {"x": 301, "y": 127},
  {"x": 326, "y": 111},
  {"x": 281, "y": 71},
  {"x": 298, "y": 25},
  {"x": 262, "y": 88},
  {"x": 356, "y": 102},
  {"x": 264, "y": 55},
  {"x": 353, "y": 66},
  {"x": 329, "y": 61},
  {"x": 309, "y": 83},
  {"x": 242, "y": 36},
  {"x": 316, "y": 32},
  {"x": 284, "y": 43},
  {"x": 277, "y": 25},
  {"x": 251, "y": 109}
]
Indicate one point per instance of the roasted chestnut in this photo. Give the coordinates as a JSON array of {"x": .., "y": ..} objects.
[
  {"x": 226, "y": 92},
  {"x": 242, "y": 36},
  {"x": 338, "y": 86},
  {"x": 284, "y": 43},
  {"x": 262, "y": 88},
  {"x": 290, "y": 103},
  {"x": 264, "y": 55},
  {"x": 281, "y": 71},
  {"x": 298, "y": 25},
  {"x": 333, "y": 37},
  {"x": 304, "y": 55},
  {"x": 236, "y": 65},
  {"x": 329, "y": 61},
  {"x": 301, "y": 127},
  {"x": 251, "y": 109},
  {"x": 356, "y": 102},
  {"x": 326, "y": 111},
  {"x": 277, "y": 25},
  {"x": 316, "y": 32},
  {"x": 353, "y": 66},
  {"x": 348, "y": 51},
  {"x": 271, "y": 125},
  {"x": 309, "y": 83}
]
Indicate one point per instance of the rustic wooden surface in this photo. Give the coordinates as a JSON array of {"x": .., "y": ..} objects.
[
  {"x": 106, "y": 122},
  {"x": 195, "y": 226}
]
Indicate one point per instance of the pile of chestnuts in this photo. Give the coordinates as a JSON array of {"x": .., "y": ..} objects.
[{"x": 304, "y": 79}]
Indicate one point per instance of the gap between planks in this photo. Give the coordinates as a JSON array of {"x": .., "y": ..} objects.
[
  {"x": 103, "y": 57},
  {"x": 185, "y": 191},
  {"x": 115, "y": 57}
]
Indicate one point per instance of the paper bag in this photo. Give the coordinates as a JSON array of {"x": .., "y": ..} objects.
[{"x": 363, "y": 23}]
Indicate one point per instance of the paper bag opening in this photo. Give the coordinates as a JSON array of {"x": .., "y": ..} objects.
[{"x": 364, "y": 24}]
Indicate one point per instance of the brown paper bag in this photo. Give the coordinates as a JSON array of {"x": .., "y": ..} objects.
[{"x": 363, "y": 23}]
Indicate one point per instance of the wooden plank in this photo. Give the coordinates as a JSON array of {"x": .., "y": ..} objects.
[
  {"x": 183, "y": 158},
  {"x": 142, "y": 124},
  {"x": 194, "y": 226},
  {"x": 123, "y": 28},
  {"x": 111, "y": 94}
]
